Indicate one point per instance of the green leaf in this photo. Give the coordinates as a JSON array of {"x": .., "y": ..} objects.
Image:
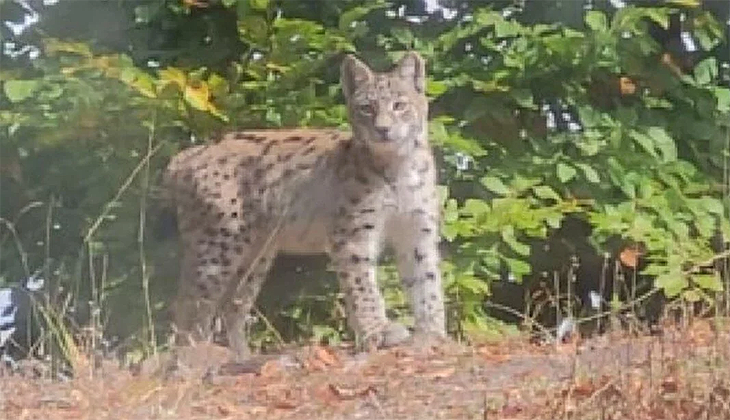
[
  {"x": 19, "y": 90},
  {"x": 436, "y": 87},
  {"x": 644, "y": 141},
  {"x": 472, "y": 284},
  {"x": 565, "y": 172},
  {"x": 546, "y": 193},
  {"x": 596, "y": 21},
  {"x": 508, "y": 236},
  {"x": 711, "y": 282},
  {"x": 664, "y": 143},
  {"x": 523, "y": 98},
  {"x": 495, "y": 185},
  {"x": 658, "y": 15},
  {"x": 142, "y": 14},
  {"x": 475, "y": 207},
  {"x": 672, "y": 283},
  {"x": 349, "y": 17},
  {"x": 260, "y": 5},
  {"x": 518, "y": 267},
  {"x": 713, "y": 205},
  {"x": 706, "y": 71},
  {"x": 451, "y": 211},
  {"x": 590, "y": 173},
  {"x": 685, "y": 3},
  {"x": 403, "y": 35},
  {"x": 723, "y": 98}
]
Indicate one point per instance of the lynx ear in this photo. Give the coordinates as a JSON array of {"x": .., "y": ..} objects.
[
  {"x": 352, "y": 73},
  {"x": 412, "y": 67}
]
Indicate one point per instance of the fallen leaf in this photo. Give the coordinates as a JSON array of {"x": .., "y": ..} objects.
[
  {"x": 492, "y": 354},
  {"x": 325, "y": 394},
  {"x": 327, "y": 356},
  {"x": 286, "y": 404},
  {"x": 441, "y": 373},
  {"x": 314, "y": 365},
  {"x": 270, "y": 369},
  {"x": 511, "y": 410},
  {"x": 348, "y": 394},
  {"x": 669, "y": 385},
  {"x": 585, "y": 389}
]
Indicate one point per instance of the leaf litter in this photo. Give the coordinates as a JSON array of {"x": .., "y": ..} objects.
[{"x": 682, "y": 374}]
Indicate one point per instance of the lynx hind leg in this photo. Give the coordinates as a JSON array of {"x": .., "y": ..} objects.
[
  {"x": 224, "y": 266},
  {"x": 237, "y": 310},
  {"x": 193, "y": 310}
]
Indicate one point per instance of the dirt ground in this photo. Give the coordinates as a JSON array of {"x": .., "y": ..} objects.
[{"x": 681, "y": 374}]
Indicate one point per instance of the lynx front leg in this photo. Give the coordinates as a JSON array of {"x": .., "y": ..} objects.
[
  {"x": 354, "y": 255},
  {"x": 415, "y": 240}
]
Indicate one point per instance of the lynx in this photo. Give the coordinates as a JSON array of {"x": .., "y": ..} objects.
[{"x": 256, "y": 193}]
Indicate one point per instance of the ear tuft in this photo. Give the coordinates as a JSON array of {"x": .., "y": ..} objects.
[
  {"x": 353, "y": 72},
  {"x": 413, "y": 67}
]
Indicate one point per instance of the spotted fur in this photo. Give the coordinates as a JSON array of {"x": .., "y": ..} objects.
[{"x": 260, "y": 192}]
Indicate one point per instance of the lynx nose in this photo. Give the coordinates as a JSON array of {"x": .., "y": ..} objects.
[
  {"x": 382, "y": 132},
  {"x": 382, "y": 125}
]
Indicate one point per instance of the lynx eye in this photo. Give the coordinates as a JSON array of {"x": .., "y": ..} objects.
[
  {"x": 365, "y": 109},
  {"x": 399, "y": 105}
]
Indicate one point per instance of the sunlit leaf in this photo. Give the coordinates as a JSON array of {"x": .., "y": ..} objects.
[
  {"x": 596, "y": 21},
  {"x": 259, "y": 4},
  {"x": 565, "y": 172},
  {"x": 546, "y": 193},
  {"x": 19, "y": 90}
]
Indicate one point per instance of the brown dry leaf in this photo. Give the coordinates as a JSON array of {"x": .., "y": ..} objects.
[
  {"x": 669, "y": 385},
  {"x": 627, "y": 86},
  {"x": 510, "y": 411},
  {"x": 350, "y": 393},
  {"x": 584, "y": 389},
  {"x": 196, "y": 3},
  {"x": 630, "y": 256},
  {"x": 325, "y": 394},
  {"x": 327, "y": 356},
  {"x": 314, "y": 365},
  {"x": 227, "y": 408},
  {"x": 492, "y": 354},
  {"x": 271, "y": 369},
  {"x": 441, "y": 373},
  {"x": 286, "y": 404},
  {"x": 283, "y": 396}
]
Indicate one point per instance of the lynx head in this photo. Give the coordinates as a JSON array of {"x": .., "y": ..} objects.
[{"x": 388, "y": 111}]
